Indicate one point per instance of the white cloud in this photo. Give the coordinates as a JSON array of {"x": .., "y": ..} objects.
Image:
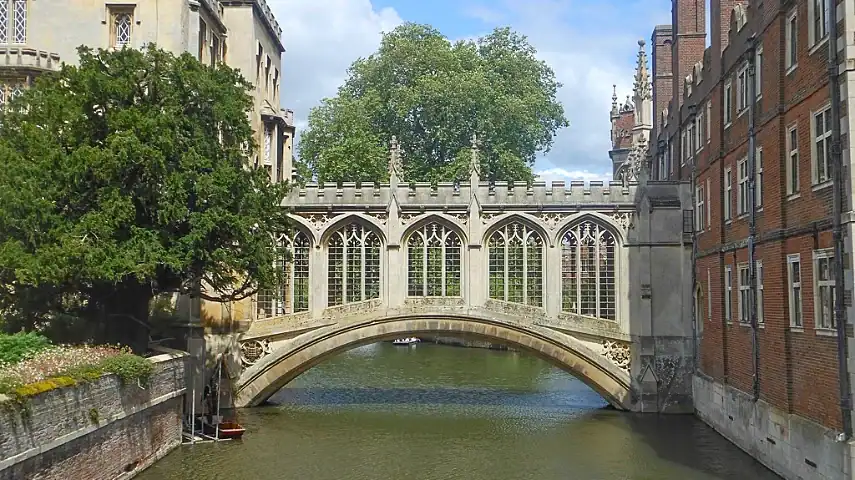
[
  {"x": 322, "y": 38},
  {"x": 560, "y": 174}
]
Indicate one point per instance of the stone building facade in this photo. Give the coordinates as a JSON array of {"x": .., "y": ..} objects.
[
  {"x": 753, "y": 123},
  {"x": 39, "y": 35}
]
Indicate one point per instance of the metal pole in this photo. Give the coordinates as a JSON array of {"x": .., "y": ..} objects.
[
  {"x": 752, "y": 205},
  {"x": 837, "y": 226}
]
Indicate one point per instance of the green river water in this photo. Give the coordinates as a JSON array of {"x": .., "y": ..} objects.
[{"x": 432, "y": 412}]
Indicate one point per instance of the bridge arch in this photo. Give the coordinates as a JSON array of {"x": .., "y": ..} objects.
[{"x": 294, "y": 356}]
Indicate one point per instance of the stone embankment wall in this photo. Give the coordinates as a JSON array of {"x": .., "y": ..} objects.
[
  {"x": 791, "y": 446},
  {"x": 97, "y": 430}
]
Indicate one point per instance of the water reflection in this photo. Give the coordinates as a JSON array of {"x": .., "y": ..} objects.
[{"x": 433, "y": 412}]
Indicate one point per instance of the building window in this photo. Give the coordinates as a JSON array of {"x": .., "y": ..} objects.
[
  {"x": 709, "y": 121},
  {"x": 121, "y": 26},
  {"x": 203, "y": 39},
  {"x": 792, "y": 161},
  {"x": 268, "y": 144},
  {"x": 13, "y": 21},
  {"x": 293, "y": 295},
  {"x": 758, "y": 265},
  {"x": 822, "y": 145},
  {"x": 699, "y": 209},
  {"x": 728, "y": 195},
  {"x": 354, "y": 265},
  {"x": 824, "y": 289},
  {"x": 795, "y": 294},
  {"x": 742, "y": 187},
  {"x": 700, "y": 130},
  {"x": 792, "y": 36},
  {"x": 709, "y": 295},
  {"x": 588, "y": 271},
  {"x": 818, "y": 28},
  {"x": 744, "y": 303},
  {"x": 516, "y": 265},
  {"x": 758, "y": 180},
  {"x": 728, "y": 103},
  {"x": 684, "y": 148},
  {"x": 691, "y": 134},
  {"x": 709, "y": 204},
  {"x": 758, "y": 73},
  {"x": 728, "y": 288},
  {"x": 433, "y": 262},
  {"x": 669, "y": 161},
  {"x": 742, "y": 89},
  {"x": 4, "y": 21}
]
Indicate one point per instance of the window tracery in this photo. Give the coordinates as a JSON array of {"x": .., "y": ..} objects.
[
  {"x": 516, "y": 265},
  {"x": 433, "y": 261},
  {"x": 588, "y": 271},
  {"x": 353, "y": 265},
  {"x": 293, "y": 294}
]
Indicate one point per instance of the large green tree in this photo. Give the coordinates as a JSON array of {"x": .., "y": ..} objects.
[
  {"x": 433, "y": 95},
  {"x": 125, "y": 177}
]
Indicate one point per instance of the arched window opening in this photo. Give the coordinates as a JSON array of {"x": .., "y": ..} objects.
[
  {"x": 588, "y": 271},
  {"x": 292, "y": 296},
  {"x": 123, "y": 30},
  {"x": 516, "y": 265},
  {"x": 354, "y": 265},
  {"x": 433, "y": 261}
]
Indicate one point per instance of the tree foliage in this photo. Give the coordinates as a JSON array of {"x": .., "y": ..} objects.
[
  {"x": 433, "y": 95},
  {"x": 125, "y": 177}
]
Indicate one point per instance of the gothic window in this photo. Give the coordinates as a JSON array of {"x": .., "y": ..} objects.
[
  {"x": 122, "y": 20},
  {"x": 354, "y": 265},
  {"x": 588, "y": 271},
  {"x": 292, "y": 296},
  {"x": 4, "y": 21},
  {"x": 433, "y": 260},
  {"x": 19, "y": 21},
  {"x": 516, "y": 265}
]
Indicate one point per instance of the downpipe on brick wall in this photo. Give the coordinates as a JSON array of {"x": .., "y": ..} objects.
[
  {"x": 693, "y": 111},
  {"x": 837, "y": 227},
  {"x": 752, "y": 205}
]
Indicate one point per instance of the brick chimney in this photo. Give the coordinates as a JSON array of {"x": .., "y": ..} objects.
[
  {"x": 662, "y": 78},
  {"x": 720, "y": 11},
  {"x": 688, "y": 18}
]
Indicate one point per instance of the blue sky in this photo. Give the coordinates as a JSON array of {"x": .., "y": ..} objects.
[{"x": 591, "y": 44}]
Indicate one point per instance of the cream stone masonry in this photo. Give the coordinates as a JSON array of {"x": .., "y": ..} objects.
[{"x": 593, "y": 277}]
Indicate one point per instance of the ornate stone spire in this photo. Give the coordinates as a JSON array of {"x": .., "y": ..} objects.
[
  {"x": 474, "y": 166},
  {"x": 395, "y": 159},
  {"x": 615, "y": 109},
  {"x": 642, "y": 87}
]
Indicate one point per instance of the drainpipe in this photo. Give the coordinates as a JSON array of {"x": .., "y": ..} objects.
[
  {"x": 752, "y": 206},
  {"x": 693, "y": 110},
  {"x": 837, "y": 227}
]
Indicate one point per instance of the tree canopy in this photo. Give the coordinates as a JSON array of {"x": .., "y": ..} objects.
[
  {"x": 433, "y": 95},
  {"x": 125, "y": 177}
]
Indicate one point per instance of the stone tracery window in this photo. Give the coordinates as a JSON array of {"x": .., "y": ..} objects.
[
  {"x": 121, "y": 28},
  {"x": 588, "y": 271},
  {"x": 433, "y": 261},
  {"x": 354, "y": 265},
  {"x": 293, "y": 295},
  {"x": 516, "y": 264}
]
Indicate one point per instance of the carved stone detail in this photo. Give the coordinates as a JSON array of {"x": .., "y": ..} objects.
[
  {"x": 319, "y": 220},
  {"x": 352, "y": 308},
  {"x": 524, "y": 311},
  {"x": 380, "y": 216},
  {"x": 618, "y": 353},
  {"x": 435, "y": 302},
  {"x": 462, "y": 217},
  {"x": 251, "y": 351},
  {"x": 623, "y": 219},
  {"x": 405, "y": 218},
  {"x": 552, "y": 219}
]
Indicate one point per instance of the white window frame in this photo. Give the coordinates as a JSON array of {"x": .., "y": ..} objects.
[
  {"x": 699, "y": 208},
  {"x": 709, "y": 295},
  {"x": 758, "y": 272},
  {"x": 815, "y": 39},
  {"x": 742, "y": 187},
  {"x": 10, "y": 33},
  {"x": 728, "y": 291},
  {"x": 728, "y": 195},
  {"x": 743, "y": 278},
  {"x": 796, "y": 314},
  {"x": 700, "y": 123},
  {"x": 728, "y": 103},
  {"x": 820, "y": 321},
  {"x": 758, "y": 178},
  {"x": 792, "y": 170},
  {"x": 758, "y": 73},
  {"x": 709, "y": 121},
  {"x": 791, "y": 56},
  {"x": 742, "y": 79},
  {"x": 684, "y": 147},
  {"x": 825, "y": 138},
  {"x": 709, "y": 204}
]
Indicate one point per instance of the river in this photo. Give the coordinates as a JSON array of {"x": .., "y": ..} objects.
[{"x": 433, "y": 412}]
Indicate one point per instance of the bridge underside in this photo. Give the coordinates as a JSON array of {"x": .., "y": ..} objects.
[{"x": 292, "y": 357}]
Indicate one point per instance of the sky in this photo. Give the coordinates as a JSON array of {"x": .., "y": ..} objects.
[{"x": 590, "y": 44}]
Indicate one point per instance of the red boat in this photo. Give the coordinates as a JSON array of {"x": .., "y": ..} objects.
[{"x": 227, "y": 430}]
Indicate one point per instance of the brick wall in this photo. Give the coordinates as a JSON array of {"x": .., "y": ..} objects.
[
  {"x": 100, "y": 430},
  {"x": 797, "y": 366}
]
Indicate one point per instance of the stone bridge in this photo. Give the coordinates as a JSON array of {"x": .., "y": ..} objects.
[{"x": 595, "y": 278}]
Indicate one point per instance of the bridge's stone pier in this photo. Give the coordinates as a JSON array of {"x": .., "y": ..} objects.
[{"x": 595, "y": 278}]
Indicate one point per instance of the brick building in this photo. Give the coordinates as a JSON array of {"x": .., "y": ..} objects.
[{"x": 751, "y": 122}]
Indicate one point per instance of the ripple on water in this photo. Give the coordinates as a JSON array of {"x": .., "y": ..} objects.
[{"x": 436, "y": 412}]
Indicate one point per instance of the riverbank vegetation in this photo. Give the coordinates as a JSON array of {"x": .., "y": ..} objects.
[
  {"x": 30, "y": 364},
  {"x": 132, "y": 174}
]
